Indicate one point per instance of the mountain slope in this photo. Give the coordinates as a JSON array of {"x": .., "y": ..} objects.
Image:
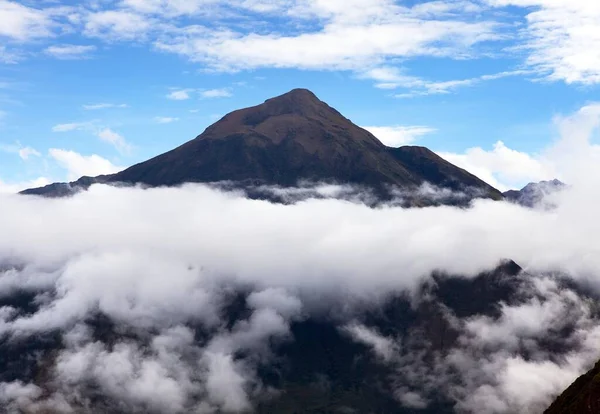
[
  {"x": 287, "y": 140},
  {"x": 582, "y": 397}
]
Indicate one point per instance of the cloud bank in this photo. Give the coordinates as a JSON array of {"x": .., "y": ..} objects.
[{"x": 173, "y": 300}]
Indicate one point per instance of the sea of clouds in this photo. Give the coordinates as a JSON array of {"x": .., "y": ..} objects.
[{"x": 158, "y": 263}]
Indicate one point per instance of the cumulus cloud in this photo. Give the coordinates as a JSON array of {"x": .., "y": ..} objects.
[
  {"x": 78, "y": 165},
  {"x": 339, "y": 249},
  {"x": 396, "y": 136},
  {"x": 15, "y": 187},
  {"x": 23, "y": 23},
  {"x": 569, "y": 159},
  {"x": 503, "y": 167}
]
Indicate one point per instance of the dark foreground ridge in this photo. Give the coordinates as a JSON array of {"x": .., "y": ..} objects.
[
  {"x": 582, "y": 397},
  {"x": 287, "y": 140}
]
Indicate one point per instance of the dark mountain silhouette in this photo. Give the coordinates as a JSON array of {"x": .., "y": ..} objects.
[
  {"x": 287, "y": 140},
  {"x": 534, "y": 193}
]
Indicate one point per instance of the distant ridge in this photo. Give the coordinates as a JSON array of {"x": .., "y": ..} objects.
[
  {"x": 289, "y": 139},
  {"x": 534, "y": 193}
]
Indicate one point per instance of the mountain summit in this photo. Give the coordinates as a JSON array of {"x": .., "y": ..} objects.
[{"x": 286, "y": 140}]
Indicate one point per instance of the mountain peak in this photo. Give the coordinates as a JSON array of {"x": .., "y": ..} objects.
[
  {"x": 534, "y": 193},
  {"x": 289, "y": 139},
  {"x": 298, "y": 101},
  {"x": 297, "y": 93}
]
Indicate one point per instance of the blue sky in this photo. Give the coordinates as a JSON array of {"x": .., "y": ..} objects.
[{"x": 88, "y": 87}]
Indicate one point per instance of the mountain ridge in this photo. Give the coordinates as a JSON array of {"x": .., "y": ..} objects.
[{"x": 288, "y": 139}]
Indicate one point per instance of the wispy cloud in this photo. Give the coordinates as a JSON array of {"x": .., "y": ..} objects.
[
  {"x": 394, "y": 78},
  {"x": 70, "y": 52},
  {"x": 119, "y": 25},
  {"x": 93, "y": 107},
  {"x": 8, "y": 56},
  {"x": 165, "y": 119},
  {"x": 216, "y": 93},
  {"x": 73, "y": 126},
  {"x": 115, "y": 139},
  {"x": 24, "y": 152},
  {"x": 27, "y": 152},
  {"x": 562, "y": 38}
]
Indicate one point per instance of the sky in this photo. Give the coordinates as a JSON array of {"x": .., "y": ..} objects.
[{"x": 91, "y": 87}]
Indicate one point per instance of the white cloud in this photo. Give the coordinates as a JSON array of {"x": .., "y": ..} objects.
[
  {"x": 396, "y": 136},
  {"x": 393, "y": 78},
  {"x": 165, "y": 119},
  {"x": 115, "y": 139},
  {"x": 23, "y": 23},
  {"x": 562, "y": 38},
  {"x": 73, "y": 126},
  {"x": 15, "y": 187},
  {"x": 104, "y": 133},
  {"x": 216, "y": 93},
  {"x": 383, "y": 347},
  {"x": 180, "y": 95},
  {"x": 569, "y": 159},
  {"x": 93, "y": 107},
  {"x": 293, "y": 261},
  {"x": 78, "y": 165},
  {"x": 173, "y": 8},
  {"x": 366, "y": 37},
  {"x": 24, "y": 152},
  {"x": 503, "y": 167},
  {"x": 342, "y": 46},
  {"x": 70, "y": 52},
  {"x": 8, "y": 56},
  {"x": 118, "y": 25}
]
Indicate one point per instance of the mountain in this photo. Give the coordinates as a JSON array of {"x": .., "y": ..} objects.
[
  {"x": 582, "y": 397},
  {"x": 534, "y": 193},
  {"x": 287, "y": 140},
  {"x": 320, "y": 368}
]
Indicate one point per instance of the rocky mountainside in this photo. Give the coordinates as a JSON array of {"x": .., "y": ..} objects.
[
  {"x": 287, "y": 140},
  {"x": 582, "y": 397},
  {"x": 534, "y": 193}
]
